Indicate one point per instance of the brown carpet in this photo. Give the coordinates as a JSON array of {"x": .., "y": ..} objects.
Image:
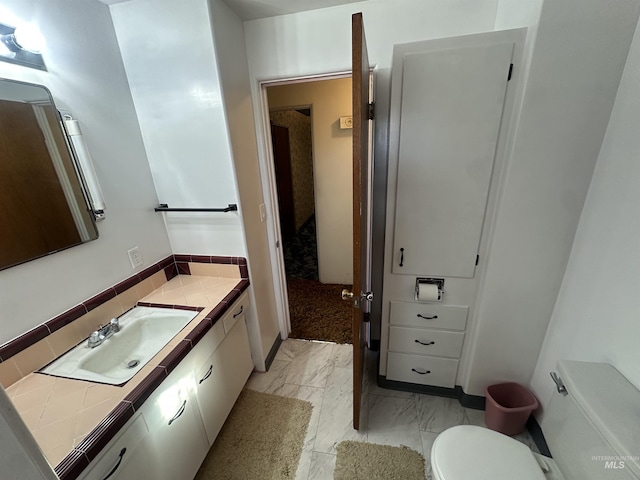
[
  {"x": 368, "y": 461},
  {"x": 262, "y": 439},
  {"x": 317, "y": 311}
]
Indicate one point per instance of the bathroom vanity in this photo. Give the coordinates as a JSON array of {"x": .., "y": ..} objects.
[
  {"x": 171, "y": 432},
  {"x": 161, "y": 423}
]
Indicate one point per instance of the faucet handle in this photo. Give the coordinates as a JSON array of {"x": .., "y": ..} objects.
[
  {"x": 94, "y": 339},
  {"x": 114, "y": 323}
]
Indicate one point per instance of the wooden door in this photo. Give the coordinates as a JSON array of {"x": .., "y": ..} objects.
[
  {"x": 361, "y": 124},
  {"x": 284, "y": 180}
]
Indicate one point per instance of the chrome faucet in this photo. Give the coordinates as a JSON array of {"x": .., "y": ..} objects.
[{"x": 103, "y": 332}]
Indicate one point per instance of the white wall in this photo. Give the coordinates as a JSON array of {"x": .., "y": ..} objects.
[
  {"x": 577, "y": 62},
  {"x": 87, "y": 79},
  {"x": 332, "y": 170},
  {"x": 596, "y": 316},
  {"x": 319, "y": 41},
  {"x": 234, "y": 78},
  {"x": 170, "y": 60},
  {"x": 187, "y": 68}
]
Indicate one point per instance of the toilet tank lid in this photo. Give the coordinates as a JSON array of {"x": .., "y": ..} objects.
[{"x": 610, "y": 401}]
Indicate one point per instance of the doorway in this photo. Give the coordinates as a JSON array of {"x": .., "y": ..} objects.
[{"x": 312, "y": 170}]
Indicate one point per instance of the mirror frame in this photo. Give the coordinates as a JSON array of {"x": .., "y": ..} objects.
[{"x": 76, "y": 167}]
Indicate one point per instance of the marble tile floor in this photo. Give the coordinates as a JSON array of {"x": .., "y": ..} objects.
[{"x": 321, "y": 373}]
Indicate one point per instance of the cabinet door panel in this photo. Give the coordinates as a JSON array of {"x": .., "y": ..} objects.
[
  {"x": 451, "y": 109},
  {"x": 230, "y": 366},
  {"x": 125, "y": 457},
  {"x": 176, "y": 434}
]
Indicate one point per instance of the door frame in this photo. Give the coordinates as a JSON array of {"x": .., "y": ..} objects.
[{"x": 267, "y": 175}]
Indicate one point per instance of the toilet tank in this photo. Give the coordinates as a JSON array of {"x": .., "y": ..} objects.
[{"x": 593, "y": 432}]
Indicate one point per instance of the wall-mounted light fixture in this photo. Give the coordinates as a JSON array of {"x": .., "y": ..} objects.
[
  {"x": 86, "y": 167},
  {"x": 22, "y": 45}
]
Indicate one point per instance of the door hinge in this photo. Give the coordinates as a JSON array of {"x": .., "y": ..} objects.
[
  {"x": 277, "y": 243},
  {"x": 372, "y": 110},
  {"x": 510, "y": 72},
  {"x": 477, "y": 259}
]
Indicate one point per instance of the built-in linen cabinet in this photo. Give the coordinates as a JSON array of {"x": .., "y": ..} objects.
[
  {"x": 449, "y": 101},
  {"x": 171, "y": 433}
]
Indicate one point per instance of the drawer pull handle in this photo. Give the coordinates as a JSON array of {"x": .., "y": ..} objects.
[
  {"x": 423, "y": 343},
  {"x": 402, "y": 257},
  {"x": 240, "y": 312},
  {"x": 419, "y": 372},
  {"x": 426, "y": 317},
  {"x": 206, "y": 375},
  {"x": 180, "y": 412},
  {"x": 113, "y": 470}
]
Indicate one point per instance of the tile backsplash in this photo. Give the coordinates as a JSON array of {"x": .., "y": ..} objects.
[{"x": 39, "y": 346}]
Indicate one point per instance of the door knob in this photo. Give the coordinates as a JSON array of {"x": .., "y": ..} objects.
[{"x": 346, "y": 295}]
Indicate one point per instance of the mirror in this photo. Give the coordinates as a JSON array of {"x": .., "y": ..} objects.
[{"x": 44, "y": 205}]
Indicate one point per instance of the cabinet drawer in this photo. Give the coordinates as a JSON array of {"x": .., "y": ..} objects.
[
  {"x": 237, "y": 310},
  {"x": 425, "y": 342},
  {"x": 440, "y": 372},
  {"x": 414, "y": 314}
]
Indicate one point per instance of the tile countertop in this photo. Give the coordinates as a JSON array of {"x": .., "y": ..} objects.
[{"x": 61, "y": 412}]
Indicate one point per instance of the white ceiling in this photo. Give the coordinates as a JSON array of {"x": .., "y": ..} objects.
[{"x": 253, "y": 9}]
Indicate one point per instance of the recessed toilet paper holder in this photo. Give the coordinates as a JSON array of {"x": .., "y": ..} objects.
[{"x": 433, "y": 281}]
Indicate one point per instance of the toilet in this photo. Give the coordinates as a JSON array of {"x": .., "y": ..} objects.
[{"x": 592, "y": 428}]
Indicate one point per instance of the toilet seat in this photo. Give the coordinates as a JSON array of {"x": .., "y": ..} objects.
[{"x": 468, "y": 452}]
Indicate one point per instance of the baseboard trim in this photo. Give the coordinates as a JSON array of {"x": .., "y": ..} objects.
[
  {"x": 475, "y": 402},
  {"x": 272, "y": 353},
  {"x": 538, "y": 437}
]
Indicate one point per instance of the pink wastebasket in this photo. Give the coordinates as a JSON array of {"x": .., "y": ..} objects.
[{"x": 508, "y": 407}]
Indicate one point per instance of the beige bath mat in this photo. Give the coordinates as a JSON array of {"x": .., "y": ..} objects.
[
  {"x": 262, "y": 439},
  {"x": 369, "y": 461}
]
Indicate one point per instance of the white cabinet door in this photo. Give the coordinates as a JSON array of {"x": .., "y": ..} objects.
[
  {"x": 126, "y": 457},
  {"x": 176, "y": 434},
  {"x": 222, "y": 377},
  {"x": 451, "y": 110}
]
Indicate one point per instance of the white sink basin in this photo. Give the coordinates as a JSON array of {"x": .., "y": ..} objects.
[{"x": 144, "y": 331}]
